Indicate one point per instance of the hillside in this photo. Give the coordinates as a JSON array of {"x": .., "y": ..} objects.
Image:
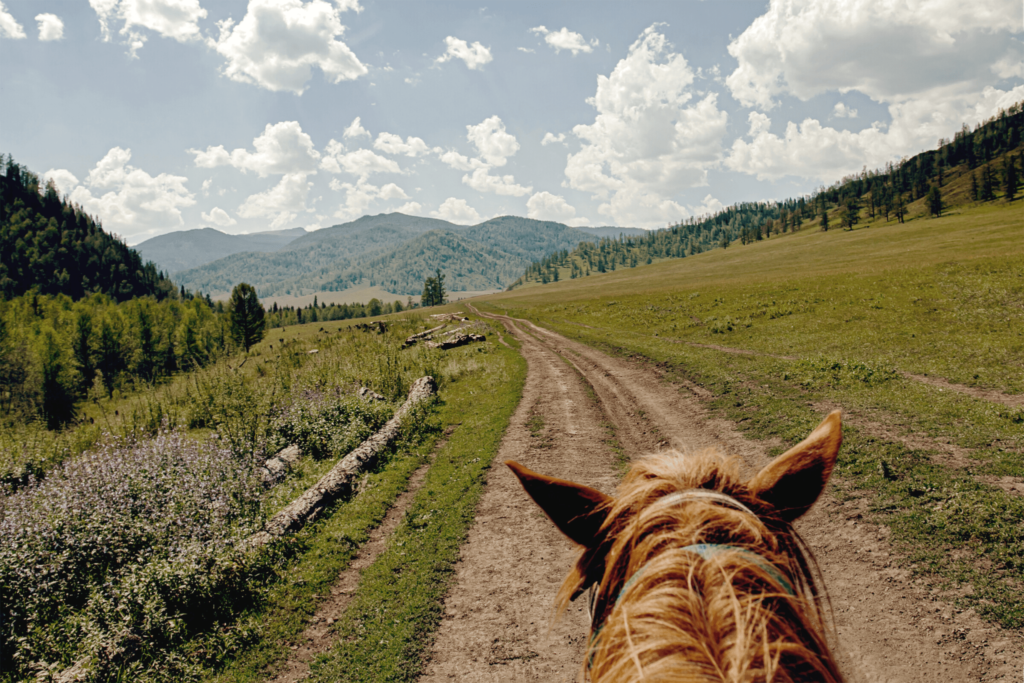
[
  {"x": 55, "y": 247},
  {"x": 977, "y": 166},
  {"x": 187, "y": 249},
  {"x": 393, "y": 251}
]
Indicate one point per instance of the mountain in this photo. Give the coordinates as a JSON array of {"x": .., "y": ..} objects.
[
  {"x": 51, "y": 245},
  {"x": 393, "y": 251},
  {"x": 613, "y": 232},
  {"x": 187, "y": 249}
]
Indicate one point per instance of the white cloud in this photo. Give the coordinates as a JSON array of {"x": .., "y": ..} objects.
[
  {"x": 545, "y": 206},
  {"x": 481, "y": 181},
  {"x": 475, "y": 55},
  {"x": 218, "y": 216},
  {"x": 843, "y": 112},
  {"x": 708, "y": 206},
  {"x": 206, "y": 186},
  {"x": 460, "y": 162},
  {"x": 9, "y": 27},
  {"x": 565, "y": 39},
  {"x": 282, "y": 148},
  {"x": 887, "y": 50},
  {"x": 50, "y": 27},
  {"x": 278, "y": 42},
  {"x": 359, "y": 197},
  {"x": 491, "y": 141},
  {"x": 284, "y": 201},
  {"x": 411, "y": 208},
  {"x": 64, "y": 180},
  {"x": 355, "y": 129},
  {"x": 136, "y": 203},
  {"x": 646, "y": 144},
  {"x": 526, "y": 49},
  {"x": 456, "y": 211},
  {"x": 810, "y": 150},
  {"x": 389, "y": 143},
  {"x": 177, "y": 19},
  {"x": 362, "y": 163},
  {"x": 552, "y": 139}
]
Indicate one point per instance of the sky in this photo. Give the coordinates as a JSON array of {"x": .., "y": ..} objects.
[{"x": 165, "y": 115}]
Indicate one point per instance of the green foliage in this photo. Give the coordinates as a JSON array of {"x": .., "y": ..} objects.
[
  {"x": 433, "y": 290},
  {"x": 248, "y": 323},
  {"x": 934, "y": 201},
  {"x": 51, "y": 245}
]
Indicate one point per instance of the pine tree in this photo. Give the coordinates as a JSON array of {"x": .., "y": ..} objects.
[
  {"x": 1009, "y": 178},
  {"x": 824, "y": 220},
  {"x": 974, "y": 186},
  {"x": 988, "y": 189},
  {"x": 248, "y": 321},
  {"x": 934, "y": 201}
]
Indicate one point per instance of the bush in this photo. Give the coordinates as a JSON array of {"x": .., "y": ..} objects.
[{"x": 326, "y": 424}]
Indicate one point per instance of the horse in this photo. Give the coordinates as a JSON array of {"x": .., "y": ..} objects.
[{"x": 695, "y": 574}]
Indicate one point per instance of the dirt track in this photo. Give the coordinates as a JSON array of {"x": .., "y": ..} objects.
[{"x": 497, "y": 622}]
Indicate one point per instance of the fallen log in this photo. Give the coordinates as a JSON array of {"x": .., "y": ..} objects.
[
  {"x": 456, "y": 340},
  {"x": 422, "y": 335},
  {"x": 339, "y": 480}
]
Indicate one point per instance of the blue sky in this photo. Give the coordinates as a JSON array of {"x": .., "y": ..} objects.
[{"x": 162, "y": 115}]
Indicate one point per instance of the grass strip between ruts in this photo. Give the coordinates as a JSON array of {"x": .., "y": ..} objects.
[{"x": 399, "y": 602}]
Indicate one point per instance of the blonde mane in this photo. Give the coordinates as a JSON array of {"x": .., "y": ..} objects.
[{"x": 749, "y": 613}]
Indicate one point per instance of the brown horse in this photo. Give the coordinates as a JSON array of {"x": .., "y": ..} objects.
[{"x": 696, "y": 575}]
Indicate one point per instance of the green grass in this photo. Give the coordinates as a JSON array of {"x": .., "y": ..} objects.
[
  {"x": 943, "y": 297},
  {"x": 398, "y": 602}
]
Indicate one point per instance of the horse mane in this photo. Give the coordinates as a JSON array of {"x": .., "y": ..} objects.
[{"x": 665, "y": 613}]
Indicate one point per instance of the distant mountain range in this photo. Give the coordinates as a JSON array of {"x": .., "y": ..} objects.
[
  {"x": 186, "y": 249},
  {"x": 393, "y": 251}
]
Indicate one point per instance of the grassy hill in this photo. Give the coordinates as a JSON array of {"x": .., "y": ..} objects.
[{"x": 914, "y": 329}]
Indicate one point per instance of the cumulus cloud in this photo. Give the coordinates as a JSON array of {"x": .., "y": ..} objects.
[
  {"x": 282, "y": 148},
  {"x": 545, "y": 206},
  {"x": 552, "y": 139},
  {"x": 50, "y": 27},
  {"x": 456, "y": 211},
  {"x": 647, "y": 141},
  {"x": 565, "y": 39},
  {"x": 177, "y": 19},
  {"x": 278, "y": 42},
  {"x": 808, "y": 47},
  {"x": 218, "y": 216},
  {"x": 362, "y": 163},
  {"x": 460, "y": 162},
  {"x": 355, "y": 129},
  {"x": 811, "y": 150},
  {"x": 481, "y": 181},
  {"x": 475, "y": 55},
  {"x": 9, "y": 27},
  {"x": 64, "y": 179},
  {"x": 411, "y": 208},
  {"x": 389, "y": 143},
  {"x": 283, "y": 202},
  {"x": 843, "y": 112},
  {"x": 708, "y": 206},
  {"x": 361, "y": 195},
  {"x": 491, "y": 140},
  {"x": 135, "y": 204}
]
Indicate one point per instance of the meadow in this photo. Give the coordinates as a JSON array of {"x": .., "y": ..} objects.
[
  {"x": 125, "y": 549},
  {"x": 870, "y": 320}
]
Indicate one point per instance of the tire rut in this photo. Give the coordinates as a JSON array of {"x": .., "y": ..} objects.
[{"x": 891, "y": 627}]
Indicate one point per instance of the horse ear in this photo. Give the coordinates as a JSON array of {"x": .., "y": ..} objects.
[
  {"x": 794, "y": 480},
  {"x": 578, "y": 511}
]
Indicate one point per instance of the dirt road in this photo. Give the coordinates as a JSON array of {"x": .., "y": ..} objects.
[{"x": 497, "y": 624}]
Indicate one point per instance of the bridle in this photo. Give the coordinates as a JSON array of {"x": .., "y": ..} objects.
[{"x": 705, "y": 550}]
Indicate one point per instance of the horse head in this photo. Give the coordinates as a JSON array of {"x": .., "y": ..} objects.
[{"x": 694, "y": 573}]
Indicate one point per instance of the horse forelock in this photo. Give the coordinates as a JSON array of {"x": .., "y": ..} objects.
[{"x": 664, "y": 612}]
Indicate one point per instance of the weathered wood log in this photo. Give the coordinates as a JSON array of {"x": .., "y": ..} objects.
[
  {"x": 456, "y": 340},
  {"x": 409, "y": 341},
  {"x": 339, "y": 480},
  {"x": 275, "y": 469}
]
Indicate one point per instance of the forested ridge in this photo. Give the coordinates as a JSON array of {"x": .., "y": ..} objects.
[
  {"x": 52, "y": 245},
  {"x": 982, "y": 164}
]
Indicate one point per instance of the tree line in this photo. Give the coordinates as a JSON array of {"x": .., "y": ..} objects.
[
  {"x": 884, "y": 192},
  {"x": 50, "y": 244}
]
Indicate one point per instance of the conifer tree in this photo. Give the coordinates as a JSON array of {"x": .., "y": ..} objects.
[
  {"x": 1009, "y": 178},
  {"x": 248, "y": 321},
  {"x": 934, "y": 201}
]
